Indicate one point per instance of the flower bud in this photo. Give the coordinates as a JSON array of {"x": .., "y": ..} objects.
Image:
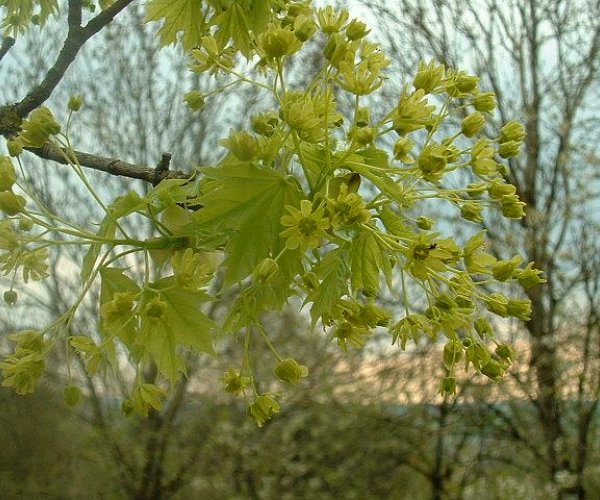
[
  {"x": 486, "y": 101},
  {"x": 503, "y": 269},
  {"x": 10, "y": 203},
  {"x": 44, "y": 117},
  {"x": 356, "y": 30},
  {"x": 8, "y": 176},
  {"x": 289, "y": 371},
  {"x": 155, "y": 309},
  {"x": 371, "y": 315},
  {"x": 492, "y": 369},
  {"x": 471, "y": 211},
  {"x": 429, "y": 77},
  {"x": 497, "y": 189},
  {"x": 529, "y": 277},
  {"x": 466, "y": 83},
  {"x": 263, "y": 409},
  {"x": 497, "y": 303},
  {"x": 336, "y": 48},
  {"x": 402, "y": 150},
  {"x": 506, "y": 353},
  {"x": 234, "y": 382},
  {"x": 472, "y": 124},
  {"x": 278, "y": 42},
  {"x": 194, "y": 100},
  {"x": 304, "y": 28},
  {"x": 520, "y": 309},
  {"x": 424, "y": 223},
  {"x": 365, "y": 135},
  {"x": 483, "y": 327},
  {"x": 448, "y": 386},
  {"x": 511, "y": 207},
  {"x": 266, "y": 270},
  {"x": 453, "y": 351},
  {"x": 75, "y": 103},
  {"x": 243, "y": 146},
  {"x": 512, "y": 131},
  {"x": 10, "y": 297},
  {"x": 432, "y": 159},
  {"x": 265, "y": 124},
  {"x": 509, "y": 149},
  {"x": 15, "y": 148}
]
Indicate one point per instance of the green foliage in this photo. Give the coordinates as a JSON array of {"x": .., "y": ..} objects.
[{"x": 308, "y": 204}]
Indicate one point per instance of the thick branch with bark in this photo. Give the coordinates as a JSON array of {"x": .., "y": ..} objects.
[{"x": 113, "y": 166}]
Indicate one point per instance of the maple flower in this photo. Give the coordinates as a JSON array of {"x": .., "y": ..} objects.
[
  {"x": 290, "y": 371},
  {"x": 234, "y": 382},
  {"x": 347, "y": 209},
  {"x": 430, "y": 77},
  {"x": 413, "y": 112},
  {"x": 278, "y": 42},
  {"x": 482, "y": 159},
  {"x": 305, "y": 227},
  {"x": 424, "y": 255},
  {"x": 263, "y": 409}
]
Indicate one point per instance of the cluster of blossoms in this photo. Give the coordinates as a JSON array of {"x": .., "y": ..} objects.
[
  {"x": 20, "y": 251},
  {"x": 375, "y": 232},
  {"x": 306, "y": 203}
]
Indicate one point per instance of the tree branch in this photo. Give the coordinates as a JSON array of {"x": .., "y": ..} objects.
[
  {"x": 111, "y": 166},
  {"x": 7, "y": 43},
  {"x": 77, "y": 36},
  {"x": 74, "y": 17}
]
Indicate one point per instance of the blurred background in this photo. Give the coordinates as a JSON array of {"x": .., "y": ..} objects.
[{"x": 370, "y": 425}]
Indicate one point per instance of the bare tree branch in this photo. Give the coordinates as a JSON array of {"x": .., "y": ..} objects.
[
  {"x": 112, "y": 166},
  {"x": 77, "y": 36}
]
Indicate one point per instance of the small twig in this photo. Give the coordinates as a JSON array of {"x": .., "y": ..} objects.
[
  {"x": 161, "y": 170},
  {"x": 7, "y": 43},
  {"x": 164, "y": 163},
  {"x": 111, "y": 166}
]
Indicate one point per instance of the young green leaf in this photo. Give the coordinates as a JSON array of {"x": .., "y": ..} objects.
[{"x": 178, "y": 16}]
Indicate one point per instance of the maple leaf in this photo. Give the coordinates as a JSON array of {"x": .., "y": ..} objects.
[
  {"x": 333, "y": 273},
  {"x": 178, "y": 16},
  {"x": 249, "y": 201},
  {"x": 181, "y": 324}
]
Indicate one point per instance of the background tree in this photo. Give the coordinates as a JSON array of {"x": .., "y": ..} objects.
[{"x": 541, "y": 59}]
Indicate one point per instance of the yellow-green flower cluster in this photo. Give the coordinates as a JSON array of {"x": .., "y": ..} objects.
[
  {"x": 22, "y": 369},
  {"x": 38, "y": 128},
  {"x": 309, "y": 115},
  {"x": 277, "y": 42},
  {"x": 413, "y": 112}
]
